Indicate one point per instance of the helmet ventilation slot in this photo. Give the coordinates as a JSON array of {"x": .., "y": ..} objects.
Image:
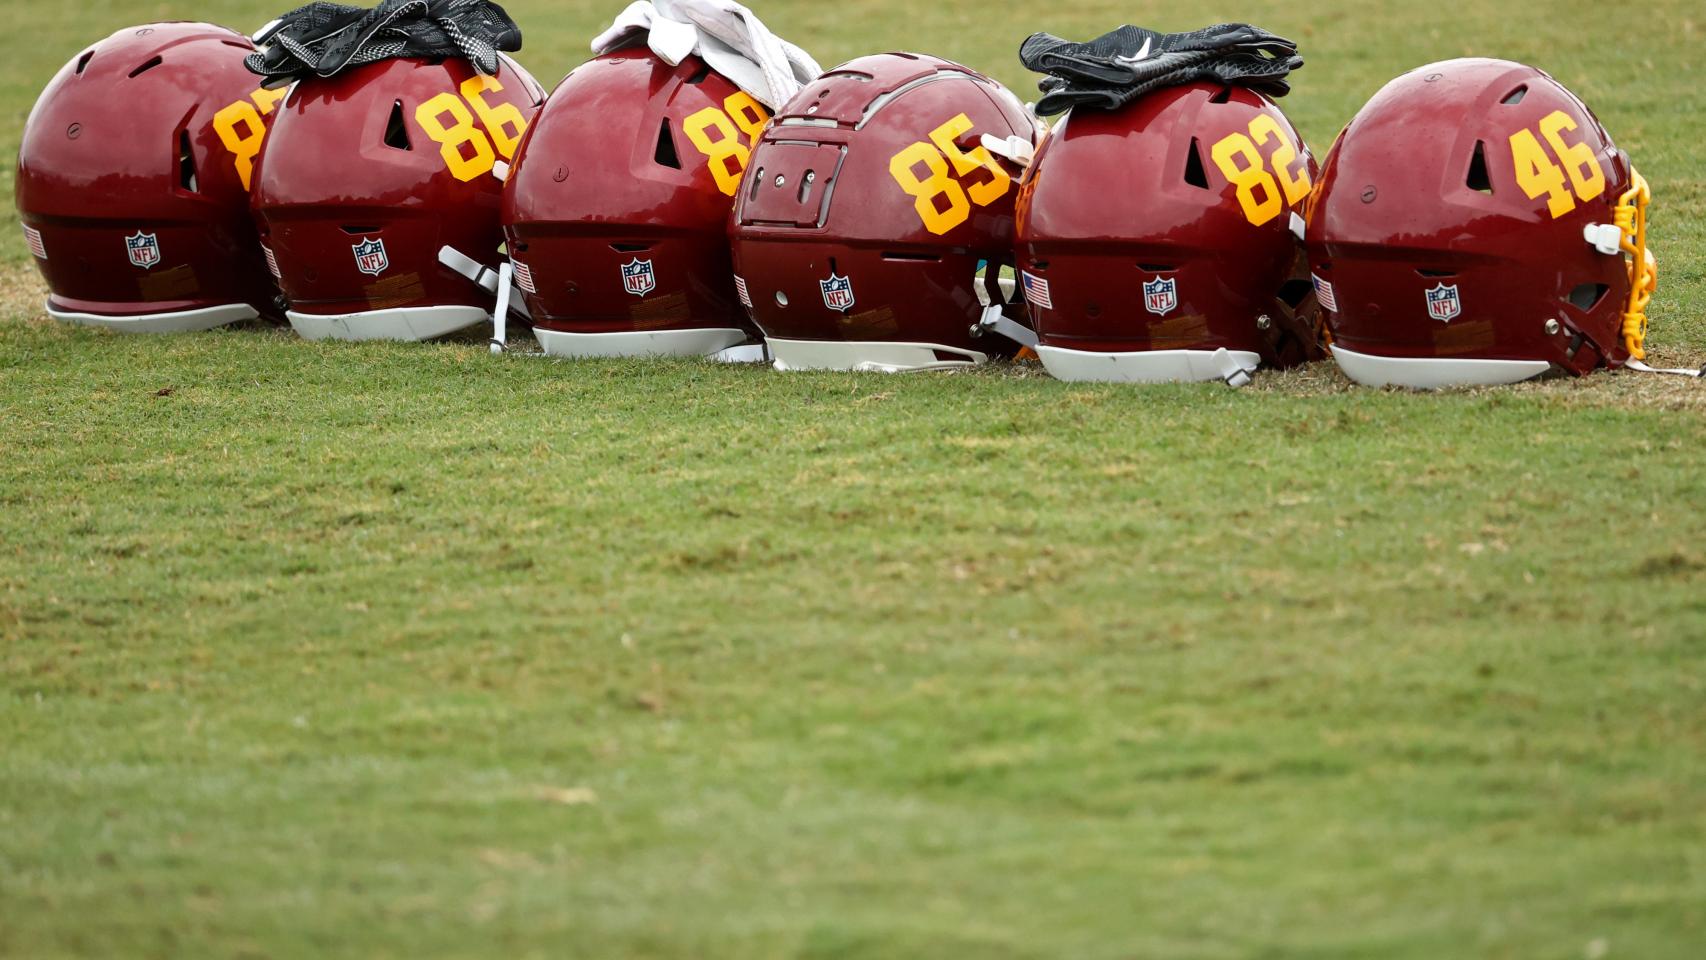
[
  {"x": 630, "y": 247},
  {"x": 83, "y": 61},
  {"x": 757, "y": 178},
  {"x": 186, "y": 163},
  {"x": 396, "y": 134},
  {"x": 1194, "y": 173},
  {"x": 665, "y": 155},
  {"x": 357, "y": 229},
  {"x": 1515, "y": 96},
  {"x": 1586, "y": 296},
  {"x": 1435, "y": 274},
  {"x": 151, "y": 64},
  {"x": 905, "y": 255},
  {"x": 806, "y": 185},
  {"x": 699, "y": 75},
  {"x": 1477, "y": 179},
  {"x": 1292, "y": 292},
  {"x": 1157, "y": 267}
]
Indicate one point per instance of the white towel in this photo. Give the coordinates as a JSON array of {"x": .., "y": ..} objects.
[{"x": 726, "y": 35}]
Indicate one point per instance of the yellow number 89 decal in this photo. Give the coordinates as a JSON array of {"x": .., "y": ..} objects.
[
  {"x": 503, "y": 124},
  {"x": 936, "y": 156},
  {"x": 1537, "y": 175},
  {"x": 247, "y": 114},
  {"x": 739, "y": 110},
  {"x": 1260, "y": 196}
]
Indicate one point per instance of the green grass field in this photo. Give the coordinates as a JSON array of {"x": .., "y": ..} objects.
[{"x": 403, "y": 650}]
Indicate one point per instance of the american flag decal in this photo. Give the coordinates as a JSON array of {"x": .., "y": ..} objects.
[
  {"x": 1036, "y": 290},
  {"x": 272, "y": 263},
  {"x": 1324, "y": 294},
  {"x": 524, "y": 277},
  {"x": 740, "y": 291},
  {"x": 32, "y": 236}
]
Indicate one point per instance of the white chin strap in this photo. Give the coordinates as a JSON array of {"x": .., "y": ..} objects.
[
  {"x": 1641, "y": 367},
  {"x": 495, "y": 282},
  {"x": 994, "y": 321},
  {"x": 1234, "y": 373},
  {"x": 500, "y": 315}
]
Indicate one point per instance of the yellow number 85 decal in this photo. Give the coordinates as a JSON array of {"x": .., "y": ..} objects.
[
  {"x": 246, "y": 114},
  {"x": 1537, "y": 175},
  {"x": 1260, "y": 196},
  {"x": 936, "y": 156},
  {"x": 739, "y": 110},
  {"x": 467, "y": 151}
]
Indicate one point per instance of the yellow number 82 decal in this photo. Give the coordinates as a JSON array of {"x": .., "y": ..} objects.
[
  {"x": 247, "y": 114},
  {"x": 936, "y": 156},
  {"x": 467, "y": 151},
  {"x": 1262, "y": 195}
]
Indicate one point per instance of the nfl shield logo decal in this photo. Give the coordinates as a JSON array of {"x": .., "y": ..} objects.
[
  {"x": 1444, "y": 304},
  {"x": 638, "y": 278},
  {"x": 370, "y": 256},
  {"x": 1161, "y": 295},
  {"x": 837, "y": 292},
  {"x": 144, "y": 249}
]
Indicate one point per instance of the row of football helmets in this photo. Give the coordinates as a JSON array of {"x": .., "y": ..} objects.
[{"x": 702, "y": 188}]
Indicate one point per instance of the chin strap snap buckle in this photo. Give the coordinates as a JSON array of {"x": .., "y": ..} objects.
[{"x": 995, "y": 321}]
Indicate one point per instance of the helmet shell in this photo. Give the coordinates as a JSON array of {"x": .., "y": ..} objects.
[
  {"x": 1146, "y": 241},
  {"x": 367, "y": 174},
  {"x": 617, "y": 211},
  {"x": 855, "y": 227},
  {"x": 132, "y": 180},
  {"x": 1430, "y": 243}
]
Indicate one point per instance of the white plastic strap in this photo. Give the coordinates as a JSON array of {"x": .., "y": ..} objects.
[
  {"x": 483, "y": 276},
  {"x": 1640, "y": 367},
  {"x": 1605, "y": 237},
  {"x": 500, "y": 316},
  {"x": 1234, "y": 373},
  {"x": 1017, "y": 150},
  {"x": 993, "y": 319}
]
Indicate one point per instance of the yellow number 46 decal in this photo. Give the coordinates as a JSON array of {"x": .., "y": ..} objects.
[
  {"x": 955, "y": 199},
  {"x": 246, "y": 114},
  {"x": 467, "y": 151},
  {"x": 1539, "y": 176},
  {"x": 1260, "y": 196},
  {"x": 727, "y": 155}
]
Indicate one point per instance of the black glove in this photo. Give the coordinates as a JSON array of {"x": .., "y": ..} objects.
[
  {"x": 324, "y": 39},
  {"x": 1121, "y": 65}
]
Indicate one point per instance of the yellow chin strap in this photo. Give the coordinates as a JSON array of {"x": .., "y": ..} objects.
[{"x": 1631, "y": 219}]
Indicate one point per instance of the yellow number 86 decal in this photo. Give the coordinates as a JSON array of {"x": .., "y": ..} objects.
[
  {"x": 936, "y": 156},
  {"x": 1260, "y": 196},
  {"x": 467, "y": 151}
]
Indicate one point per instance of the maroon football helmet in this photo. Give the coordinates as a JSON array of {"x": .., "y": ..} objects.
[
  {"x": 133, "y": 177},
  {"x": 1474, "y": 224},
  {"x": 1156, "y": 242},
  {"x": 621, "y": 245},
  {"x": 872, "y": 223},
  {"x": 369, "y": 174}
]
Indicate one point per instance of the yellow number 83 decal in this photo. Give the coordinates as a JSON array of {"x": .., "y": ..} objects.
[
  {"x": 739, "y": 110},
  {"x": 246, "y": 114},
  {"x": 955, "y": 199},
  {"x": 467, "y": 151},
  {"x": 1538, "y": 176},
  {"x": 1260, "y": 196}
]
